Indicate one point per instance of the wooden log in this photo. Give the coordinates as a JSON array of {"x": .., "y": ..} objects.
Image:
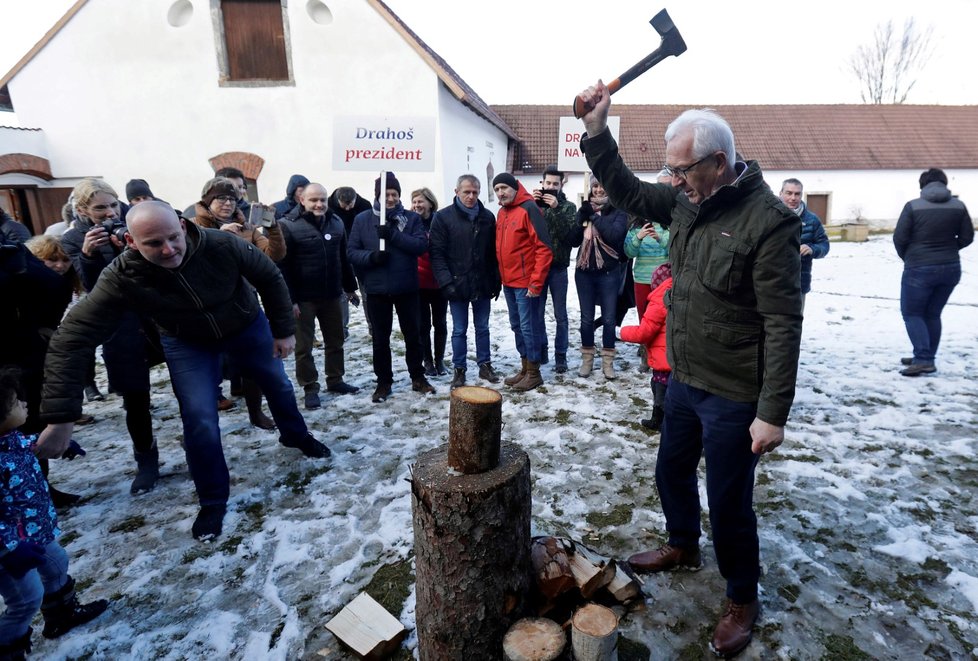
[
  {"x": 534, "y": 639},
  {"x": 624, "y": 587},
  {"x": 551, "y": 569},
  {"x": 472, "y": 554},
  {"x": 594, "y": 634},
  {"x": 366, "y": 628},
  {"x": 591, "y": 571},
  {"x": 474, "y": 427}
]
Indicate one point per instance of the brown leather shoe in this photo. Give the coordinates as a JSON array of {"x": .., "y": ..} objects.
[
  {"x": 422, "y": 386},
  {"x": 734, "y": 630},
  {"x": 667, "y": 558}
]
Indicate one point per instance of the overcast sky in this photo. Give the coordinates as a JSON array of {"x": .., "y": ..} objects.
[{"x": 760, "y": 51}]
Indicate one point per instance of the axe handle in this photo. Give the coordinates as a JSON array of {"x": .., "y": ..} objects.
[{"x": 643, "y": 65}]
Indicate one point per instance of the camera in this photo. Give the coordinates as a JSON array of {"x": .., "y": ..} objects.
[
  {"x": 260, "y": 215},
  {"x": 539, "y": 200},
  {"x": 116, "y": 228}
]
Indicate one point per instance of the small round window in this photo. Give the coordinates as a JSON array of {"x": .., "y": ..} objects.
[
  {"x": 319, "y": 12},
  {"x": 180, "y": 13}
]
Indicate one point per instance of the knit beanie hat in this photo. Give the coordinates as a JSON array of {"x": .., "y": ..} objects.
[
  {"x": 661, "y": 274},
  {"x": 217, "y": 187},
  {"x": 505, "y": 178},
  {"x": 138, "y": 188},
  {"x": 392, "y": 182}
]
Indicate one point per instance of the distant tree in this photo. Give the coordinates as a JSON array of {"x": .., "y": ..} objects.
[{"x": 887, "y": 69}]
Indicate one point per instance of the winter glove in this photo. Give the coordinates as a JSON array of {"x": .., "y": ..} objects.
[
  {"x": 25, "y": 557},
  {"x": 379, "y": 257},
  {"x": 74, "y": 450},
  {"x": 449, "y": 291},
  {"x": 384, "y": 232},
  {"x": 585, "y": 212}
]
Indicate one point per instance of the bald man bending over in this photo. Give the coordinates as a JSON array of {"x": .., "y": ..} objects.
[{"x": 198, "y": 287}]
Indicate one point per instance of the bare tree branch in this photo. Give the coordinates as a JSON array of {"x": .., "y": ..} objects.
[{"x": 887, "y": 69}]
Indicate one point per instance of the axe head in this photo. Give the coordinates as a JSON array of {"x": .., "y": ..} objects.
[{"x": 672, "y": 41}]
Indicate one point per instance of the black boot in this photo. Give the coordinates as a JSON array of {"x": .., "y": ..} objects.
[
  {"x": 209, "y": 522},
  {"x": 17, "y": 649},
  {"x": 147, "y": 471},
  {"x": 58, "y": 498},
  {"x": 62, "y": 612},
  {"x": 655, "y": 422}
]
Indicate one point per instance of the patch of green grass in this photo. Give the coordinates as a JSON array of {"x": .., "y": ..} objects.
[
  {"x": 129, "y": 524},
  {"x": 789, "y": 593},
  {"x": 842, "y": 648},
  {"x": 563, "y": 417},
  {"x": 391, "y": 585},
  {"x": 618, "y": 516},
  {"x": 276, "y": 634},
  {"x": 806, "y": 458},
  {"x": 231, "y": 544},
  {"x": 297, "y": 482},
  {"x": 68, "y": 537},
  {"x": 631, "y": 650}
]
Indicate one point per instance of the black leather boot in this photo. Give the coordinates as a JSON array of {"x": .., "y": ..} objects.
[
  {"x": 147, "y": 471},
  {"x": 62, "y": 612}
]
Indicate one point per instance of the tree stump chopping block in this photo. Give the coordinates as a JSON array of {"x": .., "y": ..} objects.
[
  {"x": 475, "y": 420},
  {"x": 472, "y": 554}
]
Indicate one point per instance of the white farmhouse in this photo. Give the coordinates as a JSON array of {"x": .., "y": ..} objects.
[{"x": 171, "y": 90}]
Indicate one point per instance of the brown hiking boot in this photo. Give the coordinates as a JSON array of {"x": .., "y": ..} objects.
[
  {"x": 531, "y": 380},
  {"x": 487, "y": 373},
  {"x": 667, "y": 558},
  {"x": 516, "y": 378},
  {"x": 422, "y": 386},
  {"x": 734, "y": 630}
]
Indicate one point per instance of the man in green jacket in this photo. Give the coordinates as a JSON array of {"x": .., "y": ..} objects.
[
  {"x": 733, "y": 336},
  {"x": 198, "y": 286},
  {"x": 561, "y": 216}
]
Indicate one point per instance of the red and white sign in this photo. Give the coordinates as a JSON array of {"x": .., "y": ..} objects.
[
  {"x": 401, "y": 144},
  {"x": 569, "y": 156}
]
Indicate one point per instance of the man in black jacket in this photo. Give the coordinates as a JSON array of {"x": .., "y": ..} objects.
[
  {"x": 198, "y": 286},
  {"x": 463, "y": 258},
  {"x": 320, "y": 279}
]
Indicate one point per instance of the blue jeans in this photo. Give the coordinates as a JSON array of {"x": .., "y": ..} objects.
[
  {"x": 195, "y": 368},
  {"x": 556, "y": 284},
  {"x": 598, "y": 288},
  {"x": 460, "y": 329},
  {"x": 524, "y": 319},
  {"x": 22, "y": 596},
  {"x": 924, "y": 291},
  {"x": 699, "y": 423}
]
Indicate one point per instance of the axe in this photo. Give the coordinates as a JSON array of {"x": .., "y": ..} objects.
[{"x": 672, "y": 44}]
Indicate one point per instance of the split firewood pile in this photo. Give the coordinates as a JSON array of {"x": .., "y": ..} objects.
[{"x": 575, "y": 589}]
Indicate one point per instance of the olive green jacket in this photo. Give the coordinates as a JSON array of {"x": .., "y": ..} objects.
[{"x": 734, "y": 322}]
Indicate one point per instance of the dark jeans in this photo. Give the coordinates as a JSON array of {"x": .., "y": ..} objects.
[
  {"x": 598, "y": 288},
  {"x": 924, "y": 291},
  {"x": 524, "y": 320},
  {"x": 329, "y": 314},
  {"x": 698, "y": 423},
  {"x": 433, "y": 313},
  {"x": 556, "y": 284},
  {"x": 460, "y": 327},
  {"x": 22, "y": 596},
  {"x": 195, "y": 368},
  {"x": 381, "y": 308}
]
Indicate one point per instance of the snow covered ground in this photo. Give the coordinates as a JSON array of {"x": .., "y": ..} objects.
[{"x": 868, "y": 513}]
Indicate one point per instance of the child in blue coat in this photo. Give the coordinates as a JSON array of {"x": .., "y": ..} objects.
[{"x": 33, "y": 566}]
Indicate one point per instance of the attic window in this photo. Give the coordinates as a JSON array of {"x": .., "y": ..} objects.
[
  {"x": 5, "y": 102},
  {"x": 255, "y": 41}
]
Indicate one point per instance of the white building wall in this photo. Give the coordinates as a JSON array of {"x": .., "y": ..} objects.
[
  {"x": 122, "y": 94},
  {"x": 469, "y": 144},
  {"x": 23, "y": 141}
]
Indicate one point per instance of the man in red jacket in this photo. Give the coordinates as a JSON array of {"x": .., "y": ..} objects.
[{"x": 524, "y": 254}]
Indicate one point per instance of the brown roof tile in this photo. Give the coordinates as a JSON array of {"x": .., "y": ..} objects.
[{"x": 789, "y": 137}]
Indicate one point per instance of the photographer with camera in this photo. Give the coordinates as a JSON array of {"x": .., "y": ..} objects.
[
  {"x": 94, "y": 240},
  {"x": 561, "y": 217}
]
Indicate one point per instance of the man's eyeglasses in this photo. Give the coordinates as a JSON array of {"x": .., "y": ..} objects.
[
  {"x": 682, "y": 172},
  {"x": 224, "y": 199}
]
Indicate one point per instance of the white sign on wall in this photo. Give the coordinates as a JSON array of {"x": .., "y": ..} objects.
[
  {"x": 399, "y": 144},
  {"x": 569, "y": 156}
]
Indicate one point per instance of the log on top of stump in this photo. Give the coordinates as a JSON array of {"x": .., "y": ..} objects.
[{"x": 475, "y": 420}]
